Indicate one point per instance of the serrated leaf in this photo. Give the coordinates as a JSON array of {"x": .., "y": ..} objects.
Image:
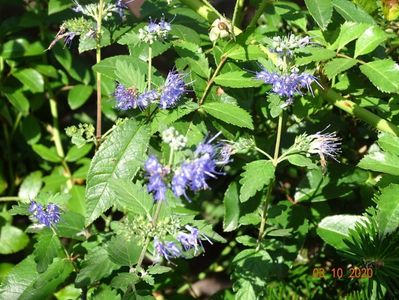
[
  {"x": 351, "y": 12},
  {"x": 192, "y": 55},
  {"x": 229, "y": 113},
  {"x": 120, "y": 156},
  {"x": 257, "y": 174},
  {"x": 46, "y": 283},
  {"x": 130, "y": 76},
  {"x": 165, "y": 117},
  {"x": 379, "y": 161},
  {"x": 19, "y": 278},
  {"x": 131, "y": 196},
  {"x": 12, "y": 239},
  {"x": 301, "y": 161},
  {"x": 371, "y": 38},
  {"x": 334, "y": 229},
  {"x": 337, "y": 66},
  {"x": 388, "y": 209},
  {"x": 31, "y": 186},
  {"x": 231, "y": 207},
  {"x": 71, "y": 225},
  {"x": 107, "y": 66},
  {"x": 389, "y": 142},
  {"x": 78, "y": 95},
  {"x": 124, "y": 280},
  {"x": 237, "y": 79},
  {"x": 349, "y": 32},
  {"x": 247, "y": 52},
  {"x": 47, "y": 248},
  {"x": 46, "y": 153},
  {"x": 96, "y": 266},
  {"x": 310, "y": 54},
  {"x": 124, "y": 252},
  {"x": 321, "y": 11},
  {"x": 158, "y": 269},
  {"x": 384, "y": 74}
]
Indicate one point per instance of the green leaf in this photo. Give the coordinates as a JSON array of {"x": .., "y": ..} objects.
[
  {"x": 71, "y": 225},
  {"x": 55, "y": 6},
  {"x": 97, "y": 265},
  {"x": 12, "y": 239},
  {"x": 334, "y": 229},
  {"x": 321, "y": 11},
  {"x": 369, "y": 40},
  {"x": 18, "y": 279},
  {"x": 312, "y": 54},
  {"x": 21, "y": 48},
  {"x": 192, "y": 55},
  {"x": 19, "y": 101},
  {"x": 131, "y": 196},
  {"x": 351, "y": 12},
  {"x": 164, "y": 117},
  {"x": 229, "y": 113},
  {"x": 388, "y": 209},
  {"x": 349, "y": 32},
  {"x": 31, "y": 79},
  {"x": 31, "y": 186},
  {"x": 231, "y": 207},
  {"x": 78, "y": 95},
  {"x": 379, "y": 161},
  {"x": 237, "y": 79},
  {"x": 246, "y": 291},
  {"x": 46, "y": 153},
  {"x": 389, "y": 142},
  {"x": 185, "y": 33},
  {"x": 107, "y": 66},
  {"x": 301, "y": 161},
  {"x": 158, "y": 269},
  {"x": 130, "y": 76},
  {"x": 124, "y": 252},
  {"x": 337, "y": 66},
  {"x": 245, "y": 53},
  {"x": 124, "y": 280},
  {"x": 76, "y": 153},
  {"x": 120, "y": 156},
  {"x": 384, "y": 74},
  {"x": 46, "y": 283},
  {"x": 31, "y": 130},
  {"x": 275, "y": 105},
  {"x": 257, "y": 174},
  {"x": 47, "y": 248}
]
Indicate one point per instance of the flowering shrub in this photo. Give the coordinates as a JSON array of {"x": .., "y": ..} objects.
[{"x": 248, "y": 151}]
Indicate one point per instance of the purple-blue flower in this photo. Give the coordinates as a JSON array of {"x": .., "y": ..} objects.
[
  {"x": 156, "y": 172},
  {"x": 120, "y": 7},
  {"x": 166, "y": 249},
  {"x": 173, "y": 89},
  {"x": 287, "y": 85},
  {"x": 194, "y": 173},
  {"x": 49, "y": 216},
  {"x": 129, "y": 98},
  {"x": 192, "y": 239},
  {"x": 145, "y": 99}
]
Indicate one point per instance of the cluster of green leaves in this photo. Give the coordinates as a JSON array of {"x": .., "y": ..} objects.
[{"x": 274, "y": 219}]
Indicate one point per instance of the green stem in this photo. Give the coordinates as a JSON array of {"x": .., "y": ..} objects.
[
  {"x": 259, "y": 12},
  {"x": 358, "y": 111},
  {"x": 6, "y": 199},
  {"x": 98, "y": 75},
  {"x": 212, "y": 8},
  {"x": 237, "y": 13},
  {"x": 55, "y": 129},
  {"x": 210, "y": 82},
  {"x": 16, "y": 123},
  {"x": 271, "y": 183},
  {"x": 149, "y": 67},
  {"x": 69, "y": 257},
  {"x": 264, "y": 153}
]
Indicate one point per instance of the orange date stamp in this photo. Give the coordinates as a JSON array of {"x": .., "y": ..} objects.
[{"x": 340, "y": 272}]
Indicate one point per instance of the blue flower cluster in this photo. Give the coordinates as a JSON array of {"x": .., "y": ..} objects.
[
  {"x": 48, "y": 216},
  {"x": 128, "y": 98},
  {"x": 188, "y": 241},
  {"x": 155, "y": 31},
  {"x": 157, "y": 173},
  {"x": 192, "y": 174},
  {"x": 287, "y": 85}
]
